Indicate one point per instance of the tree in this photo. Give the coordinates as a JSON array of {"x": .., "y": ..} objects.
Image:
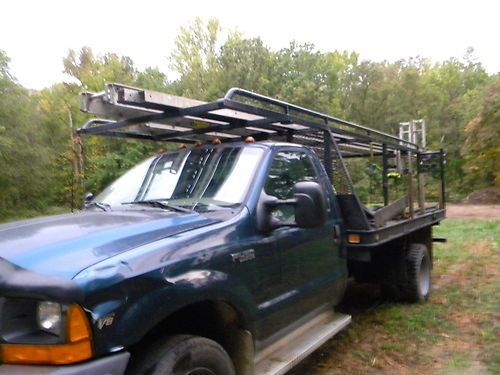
[
  {"x": 481, "y": 149},
  {"x": 107, "y": 159},
  {"x": 24, "y": 156},
  {"x": 194, "y": 58},
  {"x": 368, "y": 94},
  {"x": 60, "y": 117},
  {"x": 94, "y": 71},
  {"x": 244, "y": 63},
  {"x": 152, "y": 79},
  {"x": 299, "y": 75},
  {"x": 456, "y": 86}
]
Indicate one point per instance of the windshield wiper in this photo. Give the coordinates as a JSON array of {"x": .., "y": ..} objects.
[
  {"x": 103, "y": 206},
  {"x": 159, "y": 204}
]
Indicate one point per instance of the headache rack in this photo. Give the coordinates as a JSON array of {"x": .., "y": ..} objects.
[{"x": 148, "y": 115}]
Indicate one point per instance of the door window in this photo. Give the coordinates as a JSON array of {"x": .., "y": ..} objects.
[{"x": 288, "y": 168}]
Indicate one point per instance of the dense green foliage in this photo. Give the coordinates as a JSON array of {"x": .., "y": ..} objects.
[{"x": 44, "y": 163}]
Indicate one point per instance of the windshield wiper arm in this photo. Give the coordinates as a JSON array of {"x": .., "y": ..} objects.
[
  {"x": 103, "y": 206},
  {"x": 159, "y": 204}
]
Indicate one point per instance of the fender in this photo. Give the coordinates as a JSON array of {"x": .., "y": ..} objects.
[
  {"x": 127, "y": 295},
  {"x": 133, "y": 316}
]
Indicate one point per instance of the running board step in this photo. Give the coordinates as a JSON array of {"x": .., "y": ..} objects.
[{"x": 287, "y": 352}]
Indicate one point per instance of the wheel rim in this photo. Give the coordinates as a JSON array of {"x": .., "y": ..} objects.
[{"x": 424, "y": 280}]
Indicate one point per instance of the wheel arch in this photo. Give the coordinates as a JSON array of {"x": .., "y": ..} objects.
[{"x": 218, "y": 320}]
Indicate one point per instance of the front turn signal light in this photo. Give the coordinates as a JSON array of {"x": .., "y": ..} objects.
[
  {"x": 354, "y": 238},
  {"x": 78, "y": 346}
]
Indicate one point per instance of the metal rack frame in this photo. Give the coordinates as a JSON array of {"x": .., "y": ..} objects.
[{"x": 148, "y": 115}]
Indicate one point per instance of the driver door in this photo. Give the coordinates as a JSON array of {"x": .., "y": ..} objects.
[{"x": 309, "y": 256}]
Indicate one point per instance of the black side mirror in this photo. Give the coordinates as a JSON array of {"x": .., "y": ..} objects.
[
  {"x": 309, "y": 203},
  {"x": 88, "y": 198},
  {"x": 310, "y": 208}
]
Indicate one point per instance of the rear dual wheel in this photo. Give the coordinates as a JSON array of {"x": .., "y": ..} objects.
[
  {"x": 416, "y": 267},
  {"x": 418, "y": 271}
]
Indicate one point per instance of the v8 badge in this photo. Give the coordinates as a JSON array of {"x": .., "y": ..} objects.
[{"x": 105, "y": 321}]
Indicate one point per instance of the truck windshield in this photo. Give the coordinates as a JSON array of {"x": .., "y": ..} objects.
[{"x": 201, "y": 178}]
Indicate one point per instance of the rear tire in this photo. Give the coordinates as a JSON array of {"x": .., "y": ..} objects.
[
  {"x": 418, "y": 271},
  {"x": 183, "y": 355}
]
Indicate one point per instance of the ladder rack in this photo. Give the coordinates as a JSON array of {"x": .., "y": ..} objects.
[
  {"x": 135, "y": 113},
  {"x": 143, "y": 114}
]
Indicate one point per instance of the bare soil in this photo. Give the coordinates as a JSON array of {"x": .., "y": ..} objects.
[
  {"x": 489, "y": 195},
  {"x": 476, "y": 211}
]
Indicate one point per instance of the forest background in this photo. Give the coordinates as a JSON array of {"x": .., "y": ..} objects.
[{"x": 45, "y": 166}]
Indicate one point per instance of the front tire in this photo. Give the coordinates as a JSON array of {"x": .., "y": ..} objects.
[
  {"x": 183, "y": 355},
  {"x": 418, "y": 271}
]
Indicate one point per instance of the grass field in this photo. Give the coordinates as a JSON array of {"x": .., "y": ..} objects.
[{"x": 456, "y": 332}]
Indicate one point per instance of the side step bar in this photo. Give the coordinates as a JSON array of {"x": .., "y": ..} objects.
[{"x": 287, "y": 352}]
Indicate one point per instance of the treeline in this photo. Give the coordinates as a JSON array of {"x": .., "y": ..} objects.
[{"x": 44, "y": 163}]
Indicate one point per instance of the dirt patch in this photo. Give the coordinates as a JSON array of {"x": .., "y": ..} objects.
[
  {"x": 486, "y": 196},
  {"x": 473, "y": 211}
]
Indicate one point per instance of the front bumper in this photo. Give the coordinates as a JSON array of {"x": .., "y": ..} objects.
[{"x": 112, "y": 365}]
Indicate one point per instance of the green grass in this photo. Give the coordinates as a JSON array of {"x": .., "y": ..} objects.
[
  {"x": 468, "y": 286},
  {"x": 473, "y": 249},
  {"x": 458, "y": 361}
]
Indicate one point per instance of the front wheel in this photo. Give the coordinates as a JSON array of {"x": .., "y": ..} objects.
[
  {"x": 183, "y": 355},
  {"x": 418, "y": 271}
]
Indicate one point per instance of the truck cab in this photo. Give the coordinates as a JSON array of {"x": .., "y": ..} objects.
[{"x": 217, "y": 228}]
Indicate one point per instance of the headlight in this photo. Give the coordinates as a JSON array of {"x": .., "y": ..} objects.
[
  {"x": 49, "y": 317},
  {"x": 33, "y": 332},
  {"x": 24, "y": 321}
]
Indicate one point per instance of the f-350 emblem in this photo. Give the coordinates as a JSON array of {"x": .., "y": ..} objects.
[{"x": 243, "y": 256}]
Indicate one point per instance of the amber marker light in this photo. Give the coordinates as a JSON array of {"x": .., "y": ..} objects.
[
  {"x": 354, "y": 238},
  {"x": 78, "y": 346}
]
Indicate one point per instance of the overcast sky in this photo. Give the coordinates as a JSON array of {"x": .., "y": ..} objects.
[{"x": 37, "y": 34}]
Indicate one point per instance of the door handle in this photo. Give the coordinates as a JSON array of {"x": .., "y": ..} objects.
[{"x": 337, "y": 233}]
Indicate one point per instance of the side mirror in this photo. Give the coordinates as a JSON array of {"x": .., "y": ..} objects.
[
  {"x": 309, "y": 203},
  {"x": 88, "y": 198},
  {"x": 310, "y": 208}
]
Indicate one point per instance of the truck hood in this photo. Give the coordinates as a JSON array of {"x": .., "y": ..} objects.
[{"x": 63, "y": 245}]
